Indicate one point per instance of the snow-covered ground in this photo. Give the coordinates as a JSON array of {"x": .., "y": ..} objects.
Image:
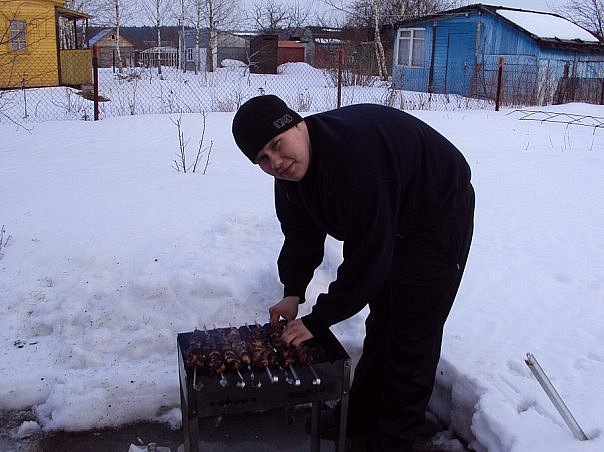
[{"x": 108, "y": 253}]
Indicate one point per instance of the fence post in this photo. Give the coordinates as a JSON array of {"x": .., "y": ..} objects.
[
  {"x": 95, "y": 78},
  {"x": 340, "y": 64},
  {"x": 499, "y": 76}
]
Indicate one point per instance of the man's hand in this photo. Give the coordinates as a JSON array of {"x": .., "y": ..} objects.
[
  {"x": 286, "y": 308},
  {"x": 295, "y": 333}
]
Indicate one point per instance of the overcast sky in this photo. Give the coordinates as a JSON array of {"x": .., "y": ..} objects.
[{"x": 534, "y": 5}]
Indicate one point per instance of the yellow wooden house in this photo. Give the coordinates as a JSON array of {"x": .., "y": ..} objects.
[{"x": 41, "y": 45}]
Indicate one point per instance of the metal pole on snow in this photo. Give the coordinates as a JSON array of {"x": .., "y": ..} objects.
[{"x": 553, "y": 395}]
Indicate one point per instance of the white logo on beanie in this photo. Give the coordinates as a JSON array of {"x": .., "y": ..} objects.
[{"x": 283, "y": 121}]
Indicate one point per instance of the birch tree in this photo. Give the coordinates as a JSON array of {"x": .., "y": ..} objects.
[
  {"x": 113, "y": 13},
  {"x": 214, "y": 14},
  {"x": 377, "y": 39},
  {"x": 198, "y": 20},
  {"x": 157, "y": 11},
  {"x": 374, "y": 14},
  {"x": 182, "y": 20}
]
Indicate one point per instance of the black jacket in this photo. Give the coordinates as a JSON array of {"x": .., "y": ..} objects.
[{"x": 375, "y": 173}]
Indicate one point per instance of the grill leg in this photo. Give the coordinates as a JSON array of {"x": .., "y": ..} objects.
[
  {"x": 190, "y": 426},
  {"x": 344, "y": 406},
  {"x": 315, "y": 418}
]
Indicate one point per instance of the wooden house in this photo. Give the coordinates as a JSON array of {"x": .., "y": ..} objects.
[
  {"x": 106, "y": 42},
  {"x": 40, "y": 45},
  {"x": 323, "y": 44},
  {"x": 459, "y": 51}
]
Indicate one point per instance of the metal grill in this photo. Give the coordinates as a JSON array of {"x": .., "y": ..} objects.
[{"x": 248, "y": 389}]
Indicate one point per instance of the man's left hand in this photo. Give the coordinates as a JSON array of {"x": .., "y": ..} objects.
[{"x": 295, "y": 332}]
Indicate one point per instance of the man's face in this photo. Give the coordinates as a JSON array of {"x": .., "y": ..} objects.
[{"x": 287, "y": 156}]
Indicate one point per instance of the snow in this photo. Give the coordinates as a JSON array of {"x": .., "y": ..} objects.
[
  {"x": 108, "y": 253},
  {"x": 546, "y": 25}
]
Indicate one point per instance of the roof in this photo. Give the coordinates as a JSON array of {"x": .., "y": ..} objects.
[
  {"x": 71, "y": 14},
  {"x": 97, "y": 37},
  {"x": 547, "y": 25},
  {"x": 101, "y": 34},
  {"x": 548, "y": 28}
]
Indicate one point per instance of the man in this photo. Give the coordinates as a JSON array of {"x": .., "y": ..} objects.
[{"x": 398, "y": 195}]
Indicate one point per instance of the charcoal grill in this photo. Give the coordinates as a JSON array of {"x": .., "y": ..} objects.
[{"x": 250, "y": 389}]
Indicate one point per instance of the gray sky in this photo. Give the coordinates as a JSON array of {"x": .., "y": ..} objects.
[{"x": 535, "y": 5}]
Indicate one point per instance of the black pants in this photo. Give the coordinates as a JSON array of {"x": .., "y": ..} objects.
[{"x": 395, "y": 375}]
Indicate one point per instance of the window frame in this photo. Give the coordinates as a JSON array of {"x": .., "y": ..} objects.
[
  {"x": 17, "y": 36},
  {"x": 412, "y": 39},
  {"x": 190, "y": 54}
]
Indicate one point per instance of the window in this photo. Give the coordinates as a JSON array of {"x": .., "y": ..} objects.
[
  {"x": 190, "y": 54},
  {"x": 411, "y": 47},
  {"x": 17, "y": 35}
]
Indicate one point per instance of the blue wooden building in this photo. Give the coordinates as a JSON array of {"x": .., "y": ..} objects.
[{"x": 546, "y": 58}]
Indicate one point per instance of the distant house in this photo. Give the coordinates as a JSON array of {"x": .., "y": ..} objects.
[
  {"x": 231, "y": 46},
  {"x": 41, "y": 45},
  {"x": 290, "y": 52},
  {"x": 105, "y": 42},
  {"x": 323, "y": 43},
  {"x": 458, "y": 51}
]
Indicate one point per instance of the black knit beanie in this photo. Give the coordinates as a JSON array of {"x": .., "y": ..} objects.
[{"x": 259, "y": 120}]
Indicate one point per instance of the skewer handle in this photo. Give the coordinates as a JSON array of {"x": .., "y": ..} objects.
[
  {"x": 295, "y": 375},
  {"x": 272, "y": 378}
]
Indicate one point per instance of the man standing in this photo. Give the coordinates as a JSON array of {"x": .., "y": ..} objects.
[{"x": 398, "y": 195}]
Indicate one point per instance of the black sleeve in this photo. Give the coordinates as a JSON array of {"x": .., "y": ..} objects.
[
  {"x": 303, "y": 244},
  {"x": 369, "y": 215}
]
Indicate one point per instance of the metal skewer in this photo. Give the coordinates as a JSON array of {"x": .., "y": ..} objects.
[
  {"x": 295, "y": 375},
  {"x": 196, "y": 385},
  {"x": 241, "y": 382},
  {"x": 272, "y": 378},
  {"x": 255, "y": 383},
  {"x": 316, "y": 380}
]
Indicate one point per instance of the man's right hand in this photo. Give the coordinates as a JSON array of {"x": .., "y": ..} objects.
[{"x": 286, "y": 308}]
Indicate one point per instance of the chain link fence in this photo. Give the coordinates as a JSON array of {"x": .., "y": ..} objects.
[{"x": 340, "y": 78}]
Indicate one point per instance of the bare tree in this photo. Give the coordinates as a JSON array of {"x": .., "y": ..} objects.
[
  {"x": 589, "y": 14},
  {"x": 359, "y": 13},
  {"x": 270, "y": 16},
  {"x": 377, "y": 39},
  {"x": 214, "y": 14},
  {"x": 183, "y": 14},
  {"x": 157, "y": 11},
  {"x": 374, "y": 14},
  {"x": 198, "y": 21},
  {"x": 113, "y": 13}
]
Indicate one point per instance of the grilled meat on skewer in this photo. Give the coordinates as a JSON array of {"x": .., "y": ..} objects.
[{"x": 289, "y": 354}]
